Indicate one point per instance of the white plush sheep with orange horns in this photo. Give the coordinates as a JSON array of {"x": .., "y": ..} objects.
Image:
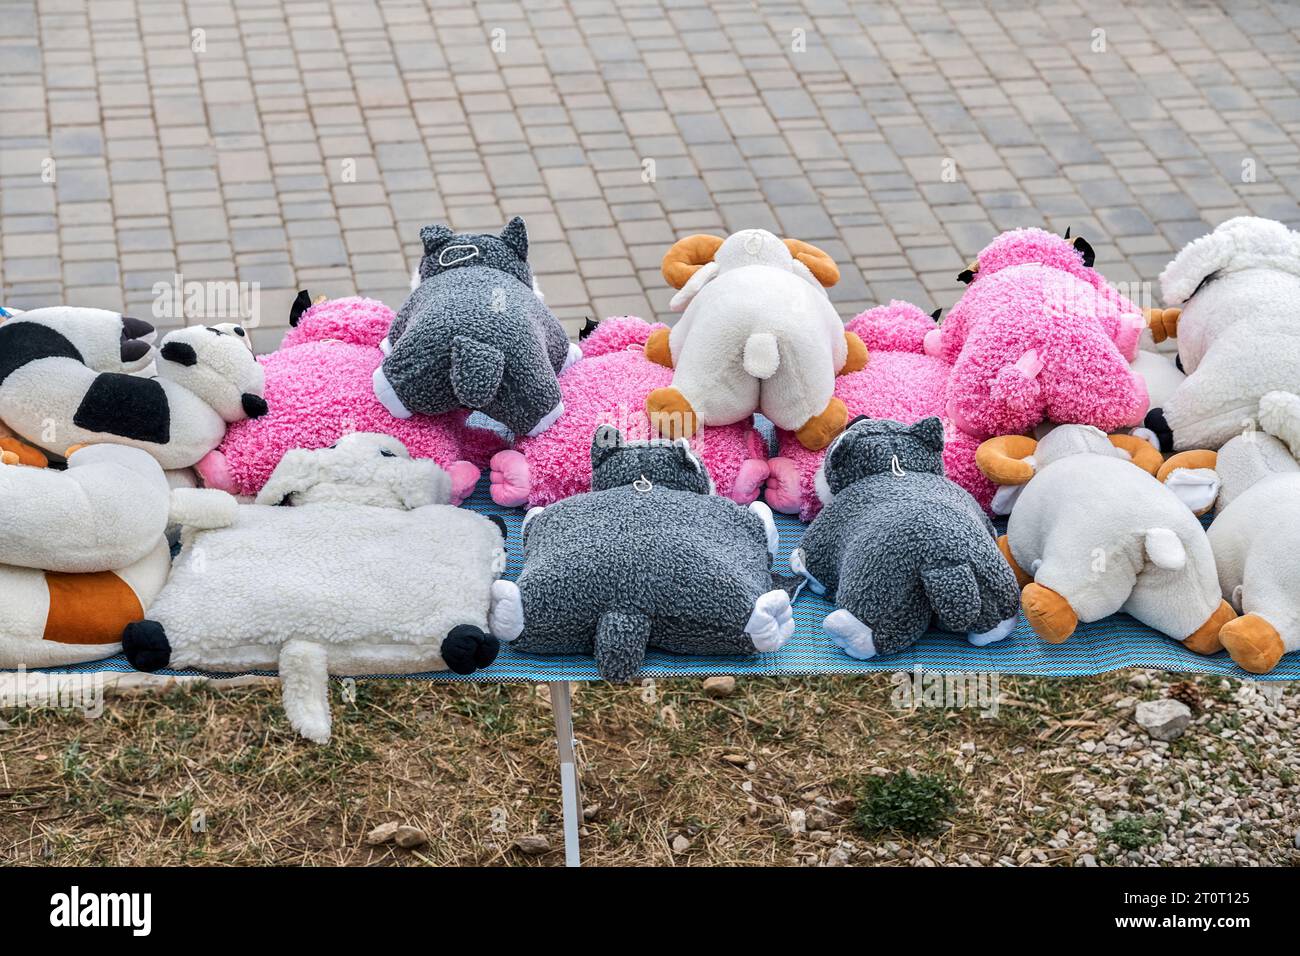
[{"x": 758, "y": 334}]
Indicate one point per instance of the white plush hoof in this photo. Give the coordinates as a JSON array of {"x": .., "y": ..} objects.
[
  {"x": 800, "y": 566},
  {"x": 1198, "y": 488},
  {"x": 506, "y": 612},
  {"x": 386, "y": 346},
  {"x": 1004, "y": 629},
  {"x": 772, "y": 623},
  {"x": 551, "y": 418},
  {"x": 387, "y": 397},
  {"x": 847, "y": 632},
  {"x": 764, "y": 513},
  {"x": 573, "y": 355}
]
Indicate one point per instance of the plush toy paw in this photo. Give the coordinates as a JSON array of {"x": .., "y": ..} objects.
[
  {"x": 820, "y": 430},
  {"x": 657, "y": 350},
  {"x": 850, "y": 634},
  {"x": 146, "y": 646},
  {"x": 858, "y": 355},
  {"x": 16, "y": 452},
  {"x": 771, "y": 624},
  {"x": 464, "y": 476},
  {"x": 1002, "y": 630},
  {"x": 8, "y": 458},
  {"x": 467, "y": 649},
  {"x": 1163, "y": 323},
  {"x": 782, "y": 491},
  {"x": 1205, "y": 639},
  {"x": 506, "y": 612},
  {"x": 1049, "y": 614},
  {"x": 1252, "y": 643},
  {"x": 749, "y": 481},
  {"x": 1022, "y": 577},
  {"x": 671, "y": 415},
  {"x": 214, "y": 472},
  {"x": 511, "y": 482}
]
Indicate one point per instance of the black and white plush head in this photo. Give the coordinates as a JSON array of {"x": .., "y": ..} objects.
[
  {"x": 877, "y": 446},
  {"x": 670, "y": 464},
  {"x": 359, "y": 469},
  {"x": 103, "y": 341},
  {"x": 217, "y": 365},
  {"x": 445, "y": 250}
]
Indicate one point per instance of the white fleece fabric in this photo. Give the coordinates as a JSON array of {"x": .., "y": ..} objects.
[
  {"x": 758, "y": 334},
  {"x": 1107, "y": 536},
  {"x": 1239, "y": 332}
]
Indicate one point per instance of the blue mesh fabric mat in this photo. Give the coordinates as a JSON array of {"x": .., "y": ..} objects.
[{"x": 1095, "y": 648}]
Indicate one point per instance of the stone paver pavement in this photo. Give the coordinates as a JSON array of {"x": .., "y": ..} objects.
[{"x": 303, "y": 143}]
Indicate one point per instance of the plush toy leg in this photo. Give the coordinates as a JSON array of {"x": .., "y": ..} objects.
[
  {"x": 657, "y": 350},
  {"x": 304, "y": 682},
  {"x": 22, "y": 453},
  {"x": 1164, "y": 323},
  {"x": 771, "y": 624},
  {"x": 511, "y": 481},
  {"x": 857, "y": 357},
  {"x": 671, "y": 415},
  {"x": 466, "y": 649},
  {"x": 1049, "y": 614},
  {"x": 1253, "y": 643},
  {"x": 1002, "y": 630},
  {"x": 820, "y": 430},
  {"x": 506, "y": 612},
  {"x": 146, "y": 646},
  {"x": 1205, "y": 639},
  {"x": 1022, "y": 578},
  {"x": 464, "y": 476},
  {"x": 847, "y": 632},
  {"x": 749, "y": 481}
]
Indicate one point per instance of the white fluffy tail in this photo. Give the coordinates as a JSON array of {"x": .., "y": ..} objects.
[
  {"x": 1165, "y": 549},
  {"x": 762, "y": 358},
  {"x": 1279, "y": 416},
  {"x": 304, "y": 684}
]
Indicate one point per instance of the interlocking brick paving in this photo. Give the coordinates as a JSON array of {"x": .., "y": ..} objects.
[{"x": 303, "y": 143}]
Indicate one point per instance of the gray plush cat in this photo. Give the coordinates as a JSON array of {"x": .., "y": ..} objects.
[
  {"x": 475, "y": 334},
  {"x": 899, "y": 546},
  {"x": 650, "y": 557}
]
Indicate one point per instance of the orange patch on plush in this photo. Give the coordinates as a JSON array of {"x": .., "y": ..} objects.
[
  {"x": 820, "y": 430},
  {"x": 671, "y": 415},
  {"x": 1049, "y": 614},
  {"x": 1205, "y": 639},
  {"x": 657, "y": 350},
  {"x": 1253, "y": 643},
  {"x": 1022, "y": 577},
  {"x": 89, "y": 608},
  {"x": 857, "y": 358}
]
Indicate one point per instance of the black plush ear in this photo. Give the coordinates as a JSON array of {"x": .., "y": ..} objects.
[
  {"x": 966, "y": 275},
  {"x": 935, "y": 314},
  {"x": 1067, "y": 232},
  {"x": 606, "y": 441},
  {"x": 515, "y": 235},
  {"x": 182, "y": 353},
  {"x": 300, "y": 305},
  {"x": 254, "y": 405},
  {"x": 930, "y": 431},
  {"x": 588, "y": 326},
  {"x": 1089, "y": 257},
  {"x": 433, "y": 237}
]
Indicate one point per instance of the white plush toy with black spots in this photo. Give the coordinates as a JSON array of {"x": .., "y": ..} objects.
[{"x": 351, "y": 562}]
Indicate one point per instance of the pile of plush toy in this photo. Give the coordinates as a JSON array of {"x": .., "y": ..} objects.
[{"x": 311, "y": 494}]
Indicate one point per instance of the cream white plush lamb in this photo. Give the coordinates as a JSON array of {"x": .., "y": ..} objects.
[
  {"x": 1091, "y": 535},
  {"x": 758, "y": 334},
  {"x": 1254, "y": 537},
  {"x": 82, "y": 554},
  {"x": 1238, "y": 332},
  {"x": 351, "y": 562}
]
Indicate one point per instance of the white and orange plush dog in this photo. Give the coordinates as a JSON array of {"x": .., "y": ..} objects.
[
  {"x": 82, "y": 552},
  {"x": 758, "y": 334}
]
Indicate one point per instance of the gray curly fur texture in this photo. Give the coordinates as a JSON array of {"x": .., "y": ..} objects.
[
  {"x": 474, "y": 334},
  {"x": 899, "y": 552},
  {"x": 615, "y": 570}
]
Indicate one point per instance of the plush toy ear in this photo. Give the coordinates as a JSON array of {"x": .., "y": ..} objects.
[
  {"x": 182, "y": 353},
  {"x": 1085, "y": 250},
  {"x": 515, "y": 235},
  {"x": 606, "y": 440},
  {"x": 930, "y": 431},
  {"x": 297, "y": 471},
  {"x": 300, "y": 305},
  {"x": 936, "y": 313},
  {"x": 433, "y": 237},
  {"x": 967, "y": 275}
]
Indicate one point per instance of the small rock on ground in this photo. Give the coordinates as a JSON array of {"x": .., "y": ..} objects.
[
  {"x": 719, "y": 686},
  {"x": 382, "y": 833},
  {"x": 534, "y": 844},
  {"x": 409, "y": 837},
  {"x": 1163, "y": 719}
]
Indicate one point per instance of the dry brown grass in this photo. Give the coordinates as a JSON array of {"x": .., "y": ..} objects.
[{"x": 475, "y": 767}]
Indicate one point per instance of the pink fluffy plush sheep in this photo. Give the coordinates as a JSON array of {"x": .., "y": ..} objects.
[
  {"x": 609, "y": 385},
  {"x": 318, "y": 387},
  {"x": 1039, "y": 335},
  {"x": 899, "y": 381}
]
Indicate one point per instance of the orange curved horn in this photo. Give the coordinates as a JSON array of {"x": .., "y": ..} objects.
[
  {"x": 1002, "y": 459},
  {"x": 686, "y": 256},
  {"x": 819, "y": 262},
  {"x": 1144, "y": 454}
]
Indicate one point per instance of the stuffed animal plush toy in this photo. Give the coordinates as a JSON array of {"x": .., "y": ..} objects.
[
  {"x": 1256, "y": 526},
  {"x": 69, "y": 378},
  {"x": 82, "y": 554},
  {"x": 900, "y": 382},
  {"x": 899, "y": 547},
  {"x": 1039, "y": 335},
  {"x": 648, "y": 558},
  {"x": 365, "y": 569},
  {"x": 1238, "y": 337},
  {"x": 318, "y": 387},
  {"x": 1093, "y": 532},
  {"x": 609, "y": 386},
  {"x": 475, "y": 334},
  {"x": 757, "y": 333}
]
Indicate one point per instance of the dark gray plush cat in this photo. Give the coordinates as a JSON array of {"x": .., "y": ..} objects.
[
  {"x": 650, "y": 557},
  {"x": 474, "y": 334},
  {"x": 899, "y": 546}
]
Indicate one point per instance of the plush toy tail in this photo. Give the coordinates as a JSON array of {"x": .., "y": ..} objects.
[
  {"x": 621, "y": 640},
  {"x": 304, "y": 681},
  {"x": 1165, "y": 549},
  {"x": 761, "y": 355},
  {"x": 476, "y": 372},
  {"x": 1017, "y": 385},
  {"x": 954, "y": 595}
]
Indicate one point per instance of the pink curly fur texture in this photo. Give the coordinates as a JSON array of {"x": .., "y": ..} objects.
[
  {"x": 898, "y": 382},
  {"x": 1039, "y": 336},
  {"x": 609, "y": 386},
  {"x": 318, "y": 389}
]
